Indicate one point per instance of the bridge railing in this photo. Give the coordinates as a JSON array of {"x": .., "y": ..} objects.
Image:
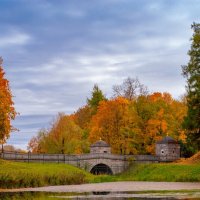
[
  {"x": 56, "y": 157},
  {"x": 31, "y": 157},
  {"x": 38, "y": 157}
]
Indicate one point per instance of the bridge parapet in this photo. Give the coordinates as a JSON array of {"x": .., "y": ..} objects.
[
  {"x": 116, "y": 163},
  {"x": 64, "y": 157}
]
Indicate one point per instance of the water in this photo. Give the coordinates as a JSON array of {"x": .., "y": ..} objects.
[{"x": 99, "y": 196}]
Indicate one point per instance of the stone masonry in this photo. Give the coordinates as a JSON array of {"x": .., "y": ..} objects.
[
  {"x": 168, "y": 149},
  {"x": 100, "y": 159}
]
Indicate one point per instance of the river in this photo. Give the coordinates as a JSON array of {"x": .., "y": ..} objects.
[{"x": 113, "y": 190}]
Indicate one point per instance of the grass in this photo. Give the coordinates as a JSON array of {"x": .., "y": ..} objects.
[
  {"x": 170, "y": 172},
  {"x": 16, "y": 174},
  {"x": 163, "y": 172}
]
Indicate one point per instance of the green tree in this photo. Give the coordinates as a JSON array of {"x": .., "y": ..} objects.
[
  {"x": 7, "y": 110},
  {"x": 96, "y": 97},
  {"x": 191, "y": 72}
]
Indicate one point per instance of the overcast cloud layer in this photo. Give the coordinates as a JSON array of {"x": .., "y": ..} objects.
[{"x": 54, "y": 52}]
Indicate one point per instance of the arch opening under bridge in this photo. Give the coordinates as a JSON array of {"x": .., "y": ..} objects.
[{"x": 101, "y": 169}]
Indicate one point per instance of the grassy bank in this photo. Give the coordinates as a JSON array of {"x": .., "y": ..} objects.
[
  {"x": 18, "y": 174},
  {"x": 157, "y": 172},
  {"x": 163, "y": 172}
]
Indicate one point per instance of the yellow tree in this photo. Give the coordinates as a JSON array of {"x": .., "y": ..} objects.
[
  {"x": 7, "y": 110},
  {"x": 64, "y": 136},
  {"x": 82, "y": 118},
  {"x": 166, "y": 119},
  {"x": 114, "y": 124}
]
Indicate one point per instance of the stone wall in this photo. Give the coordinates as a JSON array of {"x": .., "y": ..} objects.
[
  {"x": 100, "y": 150},
  {"x": 168, "y": 152}
]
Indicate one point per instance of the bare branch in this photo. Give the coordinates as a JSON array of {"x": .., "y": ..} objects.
[{"x": 130, "y": 89}]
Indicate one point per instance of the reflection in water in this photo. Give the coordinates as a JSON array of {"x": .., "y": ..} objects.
[
  {"x": 93, "y": 195},
  {"x": 18, "y": 195},
  {"x": 23, "y": 196},
  {"x": 101, "y": 193}
]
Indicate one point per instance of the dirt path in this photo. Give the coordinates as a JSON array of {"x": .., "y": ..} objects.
[{"x": 116, "y": 187}]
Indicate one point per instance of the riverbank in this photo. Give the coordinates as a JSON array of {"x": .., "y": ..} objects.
[
  {"x": 132, "y": 186},
  {"x": 24, "y": 175}
]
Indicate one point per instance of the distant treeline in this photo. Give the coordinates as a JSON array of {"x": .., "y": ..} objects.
[{"x": 131, "y": 122}]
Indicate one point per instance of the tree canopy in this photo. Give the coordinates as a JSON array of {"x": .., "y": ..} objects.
[
  {"x": 7, "y": 110},
  {"x": 129, "y": 125}
]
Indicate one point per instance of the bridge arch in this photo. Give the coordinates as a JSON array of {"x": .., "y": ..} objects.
[{"x": 101, "y": 168}]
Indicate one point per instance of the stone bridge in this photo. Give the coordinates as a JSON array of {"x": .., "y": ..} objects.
[
  {"x": 100, "y": 160},
  {"x": 94, "y": 163}
]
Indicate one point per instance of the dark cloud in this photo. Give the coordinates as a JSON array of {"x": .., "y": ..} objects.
[{"x": 54, "y": 52}]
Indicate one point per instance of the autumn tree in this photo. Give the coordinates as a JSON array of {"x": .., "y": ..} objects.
[
  {"x": 158, "y": 115},
  {"x": 11, "y": 148},
  {"x": 191, "y": 72},
  {"x": 37, "y": 143},
  {"x": 33, "y": 145},
  {"x": 130, "y": 89},
  {"x": 82, "y": 118},
  {"x": 64, "y": 136},
  {"x": 7, "y": 110},
  {"x": 83, "y": 115},
  {"x": 114, "y": 124},
  {"x": 130, "y": 126}
]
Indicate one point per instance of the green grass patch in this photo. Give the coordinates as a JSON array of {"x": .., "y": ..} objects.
[
  {"x": 169, "y": 172},
  {"x": 162, "y": 172},
  {"x": 19, "y": 174}
]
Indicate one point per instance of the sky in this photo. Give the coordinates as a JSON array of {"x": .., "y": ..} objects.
[{"x": 55, "y": 51}]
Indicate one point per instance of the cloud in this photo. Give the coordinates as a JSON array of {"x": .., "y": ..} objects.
[
  {"x": 14, "y": 39},
  {"x": 55, "y": 52}
]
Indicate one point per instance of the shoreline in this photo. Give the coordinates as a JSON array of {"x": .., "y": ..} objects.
[{"x": 122, "y": 186}]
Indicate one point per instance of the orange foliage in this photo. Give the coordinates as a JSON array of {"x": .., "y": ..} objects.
[
  {"x": 166, "y": 119},
  {"x": 7, "y": 110},
  {"x": 82, "y": 117},
  {"x": 114, "y": 124},
  {"x": 65, "y": 137},
  {"x": 155, "y": 96}
]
